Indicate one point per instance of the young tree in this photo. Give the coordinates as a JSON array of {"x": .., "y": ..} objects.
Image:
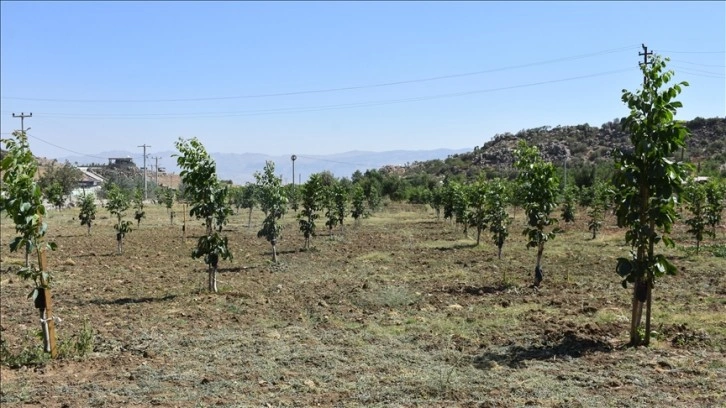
[
  {"x": 715, "y": 198},
  {"x": 168, "y": 200},
  {"x": 329, "y": 206},
  {"x": 311, "y": 194},
  {"x": 340, "y": 204},
  {"x": 358, "y": 203},
  {"x": 88, "y": 210},
  {"x": 568, "y": 205},
  {"x": 460, "y": 200},
  {"x": 62, "y": 180},
  {"x": 437, "y": 200},
  {"x": 21, "y": 199},
  {"x": 138, "y": 202},
  {"x": 695, "y": 196},
  {"x": 539, "y": 186},
  {"x": 646, "y": 181},
  {"x": 477, "y": 200},
  {"x": 54, "y": 195},
  {"x": 249, "y": 200},
  {"x": 598, "y": 207},
  {"x": 448, "y": 200},
  {"x": 208, "y": 202},
  {"x": 273, "y": 203},
  {"x": 497, "y": 196},
  {"x": 117, "y": 205}
]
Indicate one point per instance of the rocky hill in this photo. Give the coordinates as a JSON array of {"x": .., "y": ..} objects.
[{"x": 580, "y": 145}]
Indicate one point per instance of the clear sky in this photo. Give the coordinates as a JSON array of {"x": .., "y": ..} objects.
[{"x": 331, "y": 77}]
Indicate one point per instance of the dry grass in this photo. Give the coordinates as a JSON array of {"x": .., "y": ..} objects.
[{"x": 402, "y": 311}]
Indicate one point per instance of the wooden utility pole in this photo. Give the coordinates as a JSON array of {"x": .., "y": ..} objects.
[
  {"x": 22, "y": 117},
  {"x": 645, "y": 54},
  {"x": 156, "y": 178},
  {"x": 146, "y": 192}
]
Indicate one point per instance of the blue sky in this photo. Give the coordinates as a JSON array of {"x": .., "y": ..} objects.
[{"x": 276, "y": 77}]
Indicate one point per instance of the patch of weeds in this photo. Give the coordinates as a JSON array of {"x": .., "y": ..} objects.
[
  {"x": 388, "y": 296},
  {"x": 34, "y": 356},
  {"x": 718, "y": 250},
  {"x": 80, "y": 344}
]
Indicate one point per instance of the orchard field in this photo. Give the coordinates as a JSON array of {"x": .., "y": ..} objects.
[{"x": 401, "y": 311}]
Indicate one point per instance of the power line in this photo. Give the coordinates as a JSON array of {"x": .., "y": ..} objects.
[
  {"x": 691, "y": 52},
  {"x": 305, "y": 109},
  {"x": 701, "y": 74},
  {"x": 702, "y": 65},
  {"x": 327, "y": 90},
  {"x": 63, "y": 148},
  {"x": 703, "y": 71}
]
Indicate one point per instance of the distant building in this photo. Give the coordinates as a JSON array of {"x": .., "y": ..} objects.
[
  {"x": 121, "y": 162},
  {"x": 89, "y": 179}
]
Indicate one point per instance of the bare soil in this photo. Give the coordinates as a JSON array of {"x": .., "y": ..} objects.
[{"x": 401, "y": 311}]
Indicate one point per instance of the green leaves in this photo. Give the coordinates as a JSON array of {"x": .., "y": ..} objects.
[
  {"x": 87, "y": 212},
  {"x": 272, "y": 200},
  {"x": 538, "y": 188},
  {"x": 21, "y": 199},
  {"x": 208, "y": 198},
  {"x": 645, "y": 182}
]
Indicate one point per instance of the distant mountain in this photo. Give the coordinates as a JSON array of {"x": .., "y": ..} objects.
[{"x": 240, "y": 168}]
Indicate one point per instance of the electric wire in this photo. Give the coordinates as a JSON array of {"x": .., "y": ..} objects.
[
  {"x": 304, "y": 109},
  {"x": 328, "y": 90}
]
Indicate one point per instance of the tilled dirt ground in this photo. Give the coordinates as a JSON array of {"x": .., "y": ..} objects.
[{"x": 403, "y": 310}]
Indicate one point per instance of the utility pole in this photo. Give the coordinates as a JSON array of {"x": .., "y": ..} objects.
[
  {"x": 645, "y": 54},
  {"x": 22, "y": 117},
  {"x": 156, "y": 179},
  {"x": 146, "y": 192},
  {"x": 293, "y": 158}
]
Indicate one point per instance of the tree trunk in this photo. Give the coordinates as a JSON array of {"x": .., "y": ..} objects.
[
  {"x": 538, "y": 276},
  {"x": 478, "y": 235},
  {"x": 212, "y": 279},
  {"x": 44, "y": 328},
  {"x": 647, "y": 313},
  {"x": 249, "y": 219},
  {"x": 637, "y": 313},
  {"x": 89, "y": 229},
  {"x": 274, "y": 253},
  {"x": 499, "y": 251}
]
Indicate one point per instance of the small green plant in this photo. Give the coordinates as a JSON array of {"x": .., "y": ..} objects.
[
  {"x": 311, "y": 195},
  {"x": 695, "y": 196},
  {"x": 138, "y": 202},
  {"x": 715, "y": 200},
  {"x": 87, "y": 212},
  {"x": 358, "y": 203},
  {"x": 538, "y": 185},
  {"x": 117, "y": 205},
  {"x": 478, "y": 211},
  {"x": 273, "y": 203},
  {"x": 80, "y": 344},
  {"x": 168, "y": 201},
  {"x": 21, "y": 199},
  {"x": 208, "y": 202},
  {"x": 568, "y": 205},
  {"x": 497, "y": 218}
]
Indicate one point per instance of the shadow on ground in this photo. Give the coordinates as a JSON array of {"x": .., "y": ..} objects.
[
  {"x": 571, "y": 346},
  {"x": 125, "y": 301}
]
